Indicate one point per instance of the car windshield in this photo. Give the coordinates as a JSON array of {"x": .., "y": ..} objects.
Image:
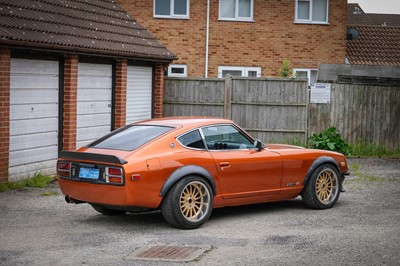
[{"x": 130, "y": 137}]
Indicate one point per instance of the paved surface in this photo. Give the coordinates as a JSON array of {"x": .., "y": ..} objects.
[{"x": 362, "y": 229}]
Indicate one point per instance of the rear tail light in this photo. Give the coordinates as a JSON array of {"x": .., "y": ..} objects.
[
  {"x": 64, "y": 169},
  {"x": 114, "y": 175}
]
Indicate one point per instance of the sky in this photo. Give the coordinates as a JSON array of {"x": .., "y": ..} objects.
[{"x": 379, "y": 6}]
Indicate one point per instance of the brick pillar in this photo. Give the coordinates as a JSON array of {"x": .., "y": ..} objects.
[
  {"x": 158, "y": 89},
  {"x": 120, "y": 93},
  {"x": 70, "y": 101},
  {"x": 5, "y": 61}
]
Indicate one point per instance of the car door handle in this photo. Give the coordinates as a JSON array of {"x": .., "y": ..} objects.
[{"x": 224, "y": 164}]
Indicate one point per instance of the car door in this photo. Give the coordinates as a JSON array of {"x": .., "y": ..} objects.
[{"x": 243, "y": 170}]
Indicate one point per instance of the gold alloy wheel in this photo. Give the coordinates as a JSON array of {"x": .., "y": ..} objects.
[
  {"x": 194, "y": 201},
  {"x": 327, "y": 186}
]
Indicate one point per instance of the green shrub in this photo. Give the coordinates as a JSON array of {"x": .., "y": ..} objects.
[{"x": 330, "y": 140}]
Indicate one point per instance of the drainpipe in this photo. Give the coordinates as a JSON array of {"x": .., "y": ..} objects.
[{"x": 207, "y": 37}]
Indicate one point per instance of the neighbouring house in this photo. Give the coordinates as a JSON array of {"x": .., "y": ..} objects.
[
  {"x": 70, "y": 72},
  {"x": 213, "y": 38},
  {"x": 373, "y": 39}
]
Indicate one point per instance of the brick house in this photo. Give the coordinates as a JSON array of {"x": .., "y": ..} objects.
[
  {"x": 246, "y": 37},
  {"x": 70, "y": 72}
]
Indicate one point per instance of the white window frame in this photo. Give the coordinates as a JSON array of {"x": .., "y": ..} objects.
[
  {"x": 308, "y": 70},
  {"x": 183, "y": 75},
  {"x": 310, "y": 20},
  {"x": 237, "y": 18},
  {"x": 244, "y": 70},
  {"x": 171, "y": 11}
]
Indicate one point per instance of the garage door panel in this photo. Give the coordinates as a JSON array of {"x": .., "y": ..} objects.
[
  {"x": 89, "y": 134},
  {"x": 32, "y": 111},
  {"x": 95, "y": 108},
  {"x": 94, "y": 102},
  {"x": 21, "y": 66},
  {"x": 26, "y": 96},
  {"x": 34, "y": 82},
  {"x": 31, "y": 141},
  {"x": 94, "y": 94},
  {"x": 21, "y": 127},
  {"x": 34, "y": 120},
  {"x": 139, "y": 93},
  {"x": 93, "y": 82},
  {"x": 91, "y": 121},
  {"x": 25, "y": 156},
  {"x": 21, "y": 172}
]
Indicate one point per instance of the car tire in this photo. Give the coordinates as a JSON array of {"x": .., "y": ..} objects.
[
  {"x": 107, "y": 211},
  {"x": 188, "y": 204},
  {"x": 322, "y": 189}
]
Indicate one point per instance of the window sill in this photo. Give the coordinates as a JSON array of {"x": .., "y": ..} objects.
[
  {"x": 237, "y": 20},
  {"x": 169, "y": 17},
  {"x": 312, "y": 22}
]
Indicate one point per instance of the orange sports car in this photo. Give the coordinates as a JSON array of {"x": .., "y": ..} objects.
[{"x": 186, "y": 166}]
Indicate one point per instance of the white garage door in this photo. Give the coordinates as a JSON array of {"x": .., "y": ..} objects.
[
  {"x": 139, "y": 93},
  {"x": 94, "y": 102},
  {"x": 33, "y": 118}
]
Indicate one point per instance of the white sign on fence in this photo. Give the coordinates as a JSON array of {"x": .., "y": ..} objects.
[{"x": 320, "y": 93}]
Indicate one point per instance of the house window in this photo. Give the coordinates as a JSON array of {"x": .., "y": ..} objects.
[
  {"x": 310, "y": 74},
  {"x": 177, "y": 71},
  {"x": 312, "y": 11},
  {"x": 240, "y": 10},
  {"x": 239, "y": 71},
  {"x": 171, "y": 8}
]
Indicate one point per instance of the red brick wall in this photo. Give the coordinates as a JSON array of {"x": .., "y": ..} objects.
[
  {"x": 265, "y": 43},
  {"x": 70, "y": 101},
  {"x": 120, "y": 93},
  {"x": 158, "y": 89},
  {"x": 5, "y": 61}
]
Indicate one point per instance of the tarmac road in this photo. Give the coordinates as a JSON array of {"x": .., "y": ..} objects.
[{"x": 362, "y": 229}]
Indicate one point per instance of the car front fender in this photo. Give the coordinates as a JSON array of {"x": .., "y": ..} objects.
[
  {"x": 319, "y": 161},
  {"x": 185, "y": 171}
]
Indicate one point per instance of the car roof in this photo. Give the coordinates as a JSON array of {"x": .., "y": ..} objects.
[{"x": 185, "y": 121}]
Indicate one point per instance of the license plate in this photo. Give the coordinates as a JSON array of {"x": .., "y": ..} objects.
[{"x": 91, "y": 173}]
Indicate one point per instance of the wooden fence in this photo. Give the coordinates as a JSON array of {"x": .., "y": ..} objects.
[
  {"x": 273, "y": 110},
  {"x": 278, "y": 110},
  {"x": 360, "y": 113}
]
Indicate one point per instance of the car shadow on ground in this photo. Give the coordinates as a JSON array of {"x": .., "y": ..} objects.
[{"x": 256, "y": 209}]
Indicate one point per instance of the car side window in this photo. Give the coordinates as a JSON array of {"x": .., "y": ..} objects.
[
  {"x": 192, "y": 140},
  {"x": 226, "y": 137}
]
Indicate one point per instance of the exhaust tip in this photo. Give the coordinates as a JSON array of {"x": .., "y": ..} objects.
[{"x": 68, "y": 199}]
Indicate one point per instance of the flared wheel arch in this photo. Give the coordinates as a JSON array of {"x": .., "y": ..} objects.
[
  {"x": 185, "y": 171},
  {"x": 317, "y": 163}
]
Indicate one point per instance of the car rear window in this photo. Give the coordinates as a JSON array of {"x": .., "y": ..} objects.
[{"x": 130, "y": 137}]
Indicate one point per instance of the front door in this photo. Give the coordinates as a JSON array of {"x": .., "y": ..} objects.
[{"x": 243, "y": 171}]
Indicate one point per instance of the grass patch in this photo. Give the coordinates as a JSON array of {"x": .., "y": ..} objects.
[
  {"x": 355, "y": 167},
  {"x": 38, "y": 181},
  {"x": 368, "y": 149},
  {"x": 369, "y": 178},
  {"x": 49, "y": 194}
]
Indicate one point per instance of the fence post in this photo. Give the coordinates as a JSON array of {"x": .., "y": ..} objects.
[{"x": 228, "y": 91}]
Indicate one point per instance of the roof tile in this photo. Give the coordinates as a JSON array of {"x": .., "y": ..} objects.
[
  {"x": 98, "y": 26},
  {"x": 375, "y": 45}
]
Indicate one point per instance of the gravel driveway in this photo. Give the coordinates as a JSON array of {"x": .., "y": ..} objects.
[{"x": 37, "y": 227}]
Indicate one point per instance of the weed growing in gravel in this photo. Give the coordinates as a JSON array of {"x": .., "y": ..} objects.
[
  {"x": 38, "y": 181},
  {"x": 49, "y": 194}
]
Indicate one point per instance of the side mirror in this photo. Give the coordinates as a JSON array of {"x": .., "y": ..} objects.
[{"x": 258, "y": 145}]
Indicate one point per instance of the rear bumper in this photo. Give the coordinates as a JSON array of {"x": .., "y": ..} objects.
[{"x": 95, "y": 193}]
